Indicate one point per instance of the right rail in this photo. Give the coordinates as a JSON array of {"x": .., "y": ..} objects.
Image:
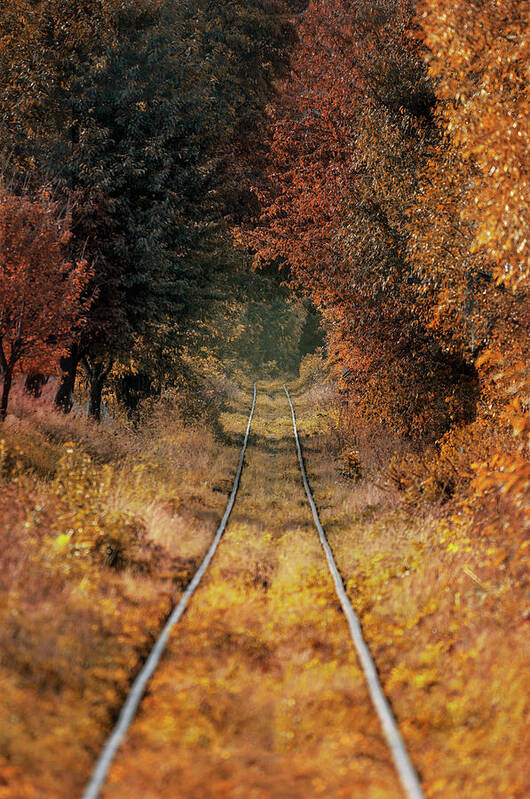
[{"x": 405, "y": 769}]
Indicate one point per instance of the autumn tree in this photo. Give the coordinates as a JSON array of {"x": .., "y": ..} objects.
[
  {"x": 353, "y": 128},
  {"x": 478, "y": 57},
  {"x": 142, "y": 114},
  {"x": 470, "y": 232},
  {"x": 478, "y": 182},
  {"x": 397, "y": 196},
  {"x": 41, "y": 306}
]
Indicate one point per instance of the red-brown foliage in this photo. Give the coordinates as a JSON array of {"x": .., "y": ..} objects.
[
  {"x": 41, "y": 304},
  {"x": 390, "y": 203}
]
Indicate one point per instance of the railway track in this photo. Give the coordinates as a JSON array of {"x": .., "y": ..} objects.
[{"x": 402, "y": 763}]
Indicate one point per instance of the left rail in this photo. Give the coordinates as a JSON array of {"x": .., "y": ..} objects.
[{"x": 130, "y": 706}]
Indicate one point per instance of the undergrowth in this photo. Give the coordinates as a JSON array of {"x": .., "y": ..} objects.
[
  {"x": 101, "y": 529},
  {"x": 433, "y": 547},
  {"x": 260, "y": 693}
]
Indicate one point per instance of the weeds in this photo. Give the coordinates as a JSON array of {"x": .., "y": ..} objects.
[
  {"x": 260, "y": 693},
  {"x": 101, "y": 530},
  {"x": 433, "y": 550}
]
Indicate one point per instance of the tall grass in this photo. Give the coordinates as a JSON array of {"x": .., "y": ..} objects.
[{"x": 101, "y": 527}]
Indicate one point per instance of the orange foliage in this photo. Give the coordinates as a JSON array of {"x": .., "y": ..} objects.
[
  {"x": 398, "y": 196},
  {"x": 478, "y": 53},
  {"x": 472, "y": 240}
]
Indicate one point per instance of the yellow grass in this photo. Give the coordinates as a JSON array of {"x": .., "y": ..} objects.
[
  {"x": 260, "y": 694},
  {"x": 74, "y": 630},
  {"x": 446, "y": 627}
]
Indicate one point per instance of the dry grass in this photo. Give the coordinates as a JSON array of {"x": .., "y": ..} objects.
[
  {"x": 444, "y": 615},
  {"x": 75, "y": 625},
  {"x": 260, "y": 694}
]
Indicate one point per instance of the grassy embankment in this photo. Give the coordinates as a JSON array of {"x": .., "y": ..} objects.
[
  {"x": 100, "y": 530},
  {"x": 440, "y": 586},
  {"x": 260, "y": 694}
]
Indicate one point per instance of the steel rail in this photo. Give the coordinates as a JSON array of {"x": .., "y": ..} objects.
[
  {"x": 128, "y": 711},
  {"x": 405, "y": 769}
]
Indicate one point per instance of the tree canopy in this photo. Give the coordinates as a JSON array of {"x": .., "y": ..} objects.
[{"x": 144, "y": 119}]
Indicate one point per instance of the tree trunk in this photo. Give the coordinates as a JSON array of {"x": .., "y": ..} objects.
[
  {"x": 64, "y": 399},
  {"x": 97, "y": 381},
  {"x": 97, "y": 373},
  {"x": 8, "y": 379}
]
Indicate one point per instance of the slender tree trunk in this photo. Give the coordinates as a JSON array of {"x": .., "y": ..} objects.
[
  {"x": 97, "y": 382},
  {"x": 64, "y": 399},
  {"x": 97, "y": 373},
  {"x": 8, "y": 379}
]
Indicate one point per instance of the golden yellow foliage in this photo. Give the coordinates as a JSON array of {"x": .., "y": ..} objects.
[
  {"x": 440, "y": 591},
  {"x": 478, "y": 54}
]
